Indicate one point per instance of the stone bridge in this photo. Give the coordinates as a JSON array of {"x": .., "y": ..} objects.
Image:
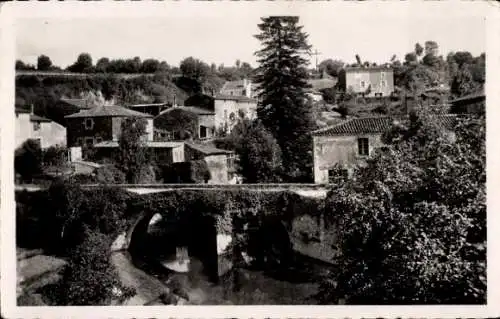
[{"x": 199, "y": 237}]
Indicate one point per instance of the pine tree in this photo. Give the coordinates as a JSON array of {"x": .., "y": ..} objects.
[{"x": 282, "y": 76}]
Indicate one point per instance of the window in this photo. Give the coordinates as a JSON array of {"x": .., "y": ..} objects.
[
  {"x": 382, "y": 75},
  {"x": 89, "y": 124},
  {"x": 79, "y": 141},
  {"x": 89, "y": 141},
  {"x": 383, "y": 83},
  {"x": 230, "y": 161},
  {"x": 363, "y": 146},
  {"x": 203, "y": 131},
  {"x": 363, "y": 84},
  {"x": 36, "y": 126},
  {"x": 98, "y": 139},
  {"x": 225, "y": 114}
]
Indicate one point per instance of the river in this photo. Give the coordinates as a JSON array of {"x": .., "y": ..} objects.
[{"x": 292, "y": 285}]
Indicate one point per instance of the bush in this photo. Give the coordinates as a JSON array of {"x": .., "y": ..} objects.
[
  {"x": 412, "y": 222},
  {"x": 28, "y": 160},
  {"x": 90, "y": 277}
]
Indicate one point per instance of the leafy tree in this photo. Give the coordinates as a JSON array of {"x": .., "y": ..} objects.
[
  {"x": 150, "y": 66},
  {"x": 400, "y": 242},
  {"x": 463, "y": 83},
  {"x": 28, "y": 160},
  {"x": 194, "y": 70},
  {"x": 410, "y": 58},
  {"x": 259, "y": 155},
  {"x": 418, "y": 49},
  {"x": 282, "y": 77},
  {"x": 102, "y": 65},
  {"x": 20, "y": 65},
  {"x": 331, "y": 67},
  {"x": 43, "y": 63},
  {"x": 90, "y": 277},
  {"x": 431, "y": 47},
  {"x": 132, "y": 155},
  {"x": 83, "y": 64}
]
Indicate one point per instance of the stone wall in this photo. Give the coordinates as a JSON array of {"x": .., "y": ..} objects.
[{"x": 342, "y": 150}]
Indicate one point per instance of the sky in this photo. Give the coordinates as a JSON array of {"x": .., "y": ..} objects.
[{"x": 217, "y": 33}]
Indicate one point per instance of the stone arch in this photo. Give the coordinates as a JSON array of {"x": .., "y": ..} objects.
[
  {"x": 198, "y": 236},
  {"x": 270, "y": 243}
]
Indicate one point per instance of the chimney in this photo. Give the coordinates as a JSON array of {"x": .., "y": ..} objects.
[{"x": 174, "y": 104}]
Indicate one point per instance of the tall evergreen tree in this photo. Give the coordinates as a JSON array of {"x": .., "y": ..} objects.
[{"x": 282, "y": 76}]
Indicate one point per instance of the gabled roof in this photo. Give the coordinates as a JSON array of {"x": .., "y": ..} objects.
[
  {"x": 151, "y": 144},
  {"x": 373, "y": 125},
  {"x": 320, "y": 84},
  {"x": 108, "y": 111},
  {"x": 79, "y": 103},
  {"x": 36, "y": 118},
  {"x": 233, "y": 85},
  {"x": 191, "y": 109},
  {"x": 147, "y": 105},
  {"x": 208, "y": 149},
  {"x": 234, "y": 98}
]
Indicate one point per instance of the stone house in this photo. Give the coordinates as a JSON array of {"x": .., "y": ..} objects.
[
  {"x": 184, "y": 122},
  {"x": 243, "y": 87},
  {"x": 469, "y": 104},
  {"x": 351, "y": 142},
  {"x": 220, "y": 162},
  {"x": 31, "y": 126},
  {"x": 101, "y": 123},
  {"x": 371, "y": 81},
  {"x": 163, "y": 153},
  {"x": 226, "y": 108}
]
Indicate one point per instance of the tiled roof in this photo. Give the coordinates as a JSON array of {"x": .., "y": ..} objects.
[
  {"x": 471, "y": 97},
  {"x": 191, "y": 109},
  {"x": 208, "y": 149},
  {"x": 232, "y": 85},
  {"x": 36, "y": 118},
  {"x": 20, "y": 110},
  {"x": 320, "y": 84},
  {"x": 368, "y": 68},
  {"x": 148, "y": 105},
  {"x": 151, "y": 144},
  {"x": 372, "y": 125},
  {"x": 234, "y": 98},
  {"x": 109, "y": 111},
  {"x": 79, "y": 103}
]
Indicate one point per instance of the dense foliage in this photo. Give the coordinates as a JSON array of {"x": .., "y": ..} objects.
[
  {"x": 132, "y": 157},
  {"x": 282, "y": 77},
  {"x": 413, "y": 221},
  {"x": 258, "y": 153},
  {"x": 89, "y": 278},
  {"x": 28, "y": 160}
]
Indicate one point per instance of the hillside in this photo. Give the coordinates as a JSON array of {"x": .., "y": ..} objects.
[{"x": 44, "y": 90}]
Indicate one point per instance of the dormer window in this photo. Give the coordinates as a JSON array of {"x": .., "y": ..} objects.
[
  {"x": 36, "y": 126},
  {"x": 89, "y": 124},
  {"x": 363, "y": 148}
]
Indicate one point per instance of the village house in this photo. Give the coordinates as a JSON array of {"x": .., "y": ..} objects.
[
  {"x": 243, "y": 87},
  {"x": 351, "y": 142},
  {"x": 220, "y": 162},
  {"x": 163, "y": 153},
  {"x": 227, "y": 109},
  {"x": 469, "y": 104},
  {"x": 184, "y": 122},
  {"x": 369, "y": 81},
  {"x": 31, "y": 126},
  {"x": 101, "y": 123}
]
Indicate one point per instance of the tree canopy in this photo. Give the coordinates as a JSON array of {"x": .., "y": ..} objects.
[
  {"x": 282, "y": 76},
  {"x": 413, "y": 221}
]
